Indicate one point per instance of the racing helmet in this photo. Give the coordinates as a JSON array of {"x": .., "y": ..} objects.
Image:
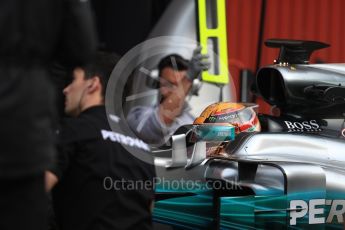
[{"x": 239, "y": 115}]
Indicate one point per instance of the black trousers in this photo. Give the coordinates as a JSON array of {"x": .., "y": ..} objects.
[{"x": 23, "y": 203}]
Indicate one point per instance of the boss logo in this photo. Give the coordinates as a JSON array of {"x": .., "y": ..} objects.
[{"x": 301, "y": 126}]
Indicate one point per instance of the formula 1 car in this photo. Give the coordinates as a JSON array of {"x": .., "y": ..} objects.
[{"x": 291, "y": 175}]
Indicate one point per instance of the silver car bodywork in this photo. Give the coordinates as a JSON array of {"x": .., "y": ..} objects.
[{"x": 273, "y": 180}]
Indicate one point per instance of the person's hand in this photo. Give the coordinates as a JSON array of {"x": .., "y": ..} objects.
[
  {"x": 197, "y": 64},
  {"x": 50, "y": 180},
  {"x": 173, "y": 103}
]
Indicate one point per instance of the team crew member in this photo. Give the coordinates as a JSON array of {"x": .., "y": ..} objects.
[
  {"x": 155, "y": 124},
  {"x": 100, "y": 184},
  {"x": 33, "y": 35}
]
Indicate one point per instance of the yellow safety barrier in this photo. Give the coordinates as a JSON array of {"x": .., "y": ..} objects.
[{"x": 214, "y": 36}]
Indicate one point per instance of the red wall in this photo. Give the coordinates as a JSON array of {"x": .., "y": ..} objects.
[{"x": 321, "y": 20}]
